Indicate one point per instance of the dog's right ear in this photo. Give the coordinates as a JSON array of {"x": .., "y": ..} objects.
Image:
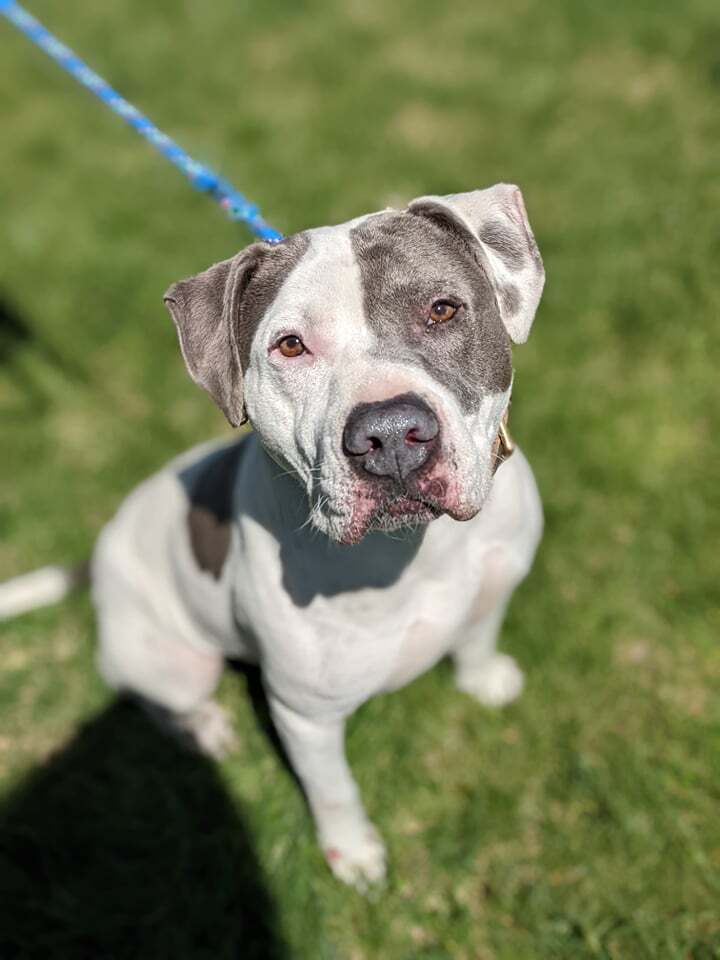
[{"x": 206, "y": 312}]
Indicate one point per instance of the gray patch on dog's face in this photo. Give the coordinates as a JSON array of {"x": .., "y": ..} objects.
[
  {"x": 210, "y": 489},
  {"x": 407, "y": 261},
  {"x": 263, "y": 286}
]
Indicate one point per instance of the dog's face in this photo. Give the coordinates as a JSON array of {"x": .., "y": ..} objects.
[{"x": 373, "y": 358}]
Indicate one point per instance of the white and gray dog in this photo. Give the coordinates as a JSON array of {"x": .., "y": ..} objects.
[{"x": 373, "y": 361}]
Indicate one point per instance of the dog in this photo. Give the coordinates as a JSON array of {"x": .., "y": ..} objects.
[{"x": 373, "y": 361}]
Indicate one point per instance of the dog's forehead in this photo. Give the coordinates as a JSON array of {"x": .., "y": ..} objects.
[
  {"x": 324, "y": 283},
  {"x": 363, "y": 283},
  {"x": 339, "y": 267},
  {"x": 398, "y": 242}
]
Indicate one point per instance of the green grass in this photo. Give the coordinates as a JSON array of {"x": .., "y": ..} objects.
[{"x": 581, "y": 822}]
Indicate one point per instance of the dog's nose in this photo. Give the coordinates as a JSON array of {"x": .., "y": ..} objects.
[{"x": 391, "y": 438}]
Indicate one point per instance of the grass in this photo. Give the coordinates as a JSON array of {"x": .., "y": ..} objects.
[{"x": 581, "y": 822}]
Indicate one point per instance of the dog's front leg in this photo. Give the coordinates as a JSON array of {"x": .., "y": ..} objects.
[{"x": 351, "y": 844}]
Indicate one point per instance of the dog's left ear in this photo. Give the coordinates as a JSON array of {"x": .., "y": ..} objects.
[
  {"x": 207, "y": 316},
  {"x": 495, "y": 223}
]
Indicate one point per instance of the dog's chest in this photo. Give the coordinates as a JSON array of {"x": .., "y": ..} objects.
[
  {"x": 423, "y": 644},
  {"x": 343, "y": 647},
  {"x": 345, "y": 652},
  {"x": 336, "y": 627}
]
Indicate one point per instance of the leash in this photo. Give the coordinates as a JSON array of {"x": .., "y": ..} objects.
[{"x": 235, "y": 205}]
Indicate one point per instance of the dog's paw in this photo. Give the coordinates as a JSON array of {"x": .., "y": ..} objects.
[
  {"x": 357, "y": 858},
  {"x": 209, "y": 730},
  {"x": 498, "y": 681}
]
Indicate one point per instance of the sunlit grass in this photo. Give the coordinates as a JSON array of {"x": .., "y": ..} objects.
[{"x": 581, "y": 822}]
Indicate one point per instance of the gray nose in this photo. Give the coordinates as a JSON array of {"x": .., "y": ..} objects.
[{"x": 391, "y": 438}]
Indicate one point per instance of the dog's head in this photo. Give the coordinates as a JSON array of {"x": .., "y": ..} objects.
[{"x": 373, "y": 358}]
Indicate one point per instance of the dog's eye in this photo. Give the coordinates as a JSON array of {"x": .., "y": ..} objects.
[
  {"x": 442, "y": 311},
  {"x": 291, "y": 346}
]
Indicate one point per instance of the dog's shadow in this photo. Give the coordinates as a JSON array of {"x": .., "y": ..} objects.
[{"x": 124, "y": 845}]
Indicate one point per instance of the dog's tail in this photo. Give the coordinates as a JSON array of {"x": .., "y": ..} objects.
[{"x": 41, "y": 588}]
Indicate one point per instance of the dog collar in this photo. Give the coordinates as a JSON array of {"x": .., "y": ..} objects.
[{"x": 503, "y": 446}]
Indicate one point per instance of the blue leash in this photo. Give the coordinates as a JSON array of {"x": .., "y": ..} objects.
[{"x": 202, "y": 178}]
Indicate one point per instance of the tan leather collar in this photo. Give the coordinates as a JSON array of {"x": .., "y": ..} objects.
[{"x": 503, "y": 447}]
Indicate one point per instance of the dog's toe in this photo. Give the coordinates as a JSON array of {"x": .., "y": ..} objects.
[
  {"x": 497, "y": 682},
  {"x": 358, "y": 861}
]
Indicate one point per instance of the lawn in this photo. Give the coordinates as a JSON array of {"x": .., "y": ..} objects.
[{"x": 583, "y": 821}]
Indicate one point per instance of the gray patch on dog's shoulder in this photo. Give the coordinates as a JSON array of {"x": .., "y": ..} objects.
[
  {"x": 511, "y": 248},
  {"x": 210, "y": 484},
  {"x": 408, "y": 260},
  {"x": 264, "y": 285}
]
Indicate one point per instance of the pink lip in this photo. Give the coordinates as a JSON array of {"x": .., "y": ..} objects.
[
  {"x": 431, "y": 495},
  {"x": 397, "y": 508}
]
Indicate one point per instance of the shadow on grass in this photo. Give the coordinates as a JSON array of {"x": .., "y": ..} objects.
[
  {"x": 261, "y": 711},
  {"x": 126, "y": 846},
  {"x": 17, "y": 336}
]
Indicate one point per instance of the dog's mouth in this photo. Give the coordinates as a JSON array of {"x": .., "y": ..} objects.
[
  {"x": 409, "y": 505},
  {"x": 394, "y": 508}
]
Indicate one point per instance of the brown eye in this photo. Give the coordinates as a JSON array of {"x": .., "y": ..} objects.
[
  {"x": 442, "y": 311},
  {"x": 291, "y": 346}
]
